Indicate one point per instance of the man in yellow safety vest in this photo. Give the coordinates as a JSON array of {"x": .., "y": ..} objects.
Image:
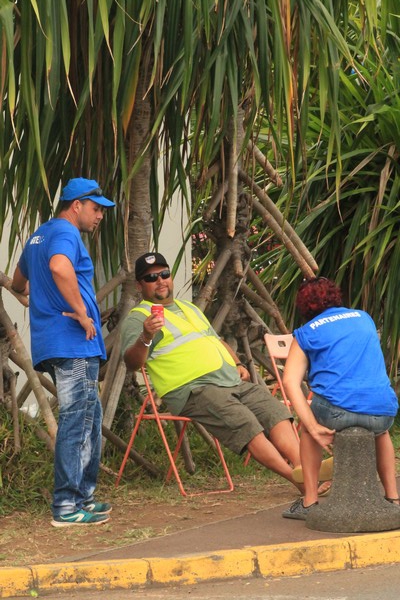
[{"x": 199, "y": 376}]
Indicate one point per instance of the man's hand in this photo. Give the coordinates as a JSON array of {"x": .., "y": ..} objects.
[
  {"x": 243, "y": 373},
  {"x": 136, "y": 355},
  {"x": 151, "y": 325},
  {"x": 85, "y": 322},
  {"x": 66, "y": 281},
  {"x": 323, "y": 436}
]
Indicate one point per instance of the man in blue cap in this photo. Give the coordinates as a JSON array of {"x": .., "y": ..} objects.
[{"x": 56, "y": 271}]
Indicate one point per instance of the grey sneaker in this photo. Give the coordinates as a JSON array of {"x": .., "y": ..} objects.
[{"x": 298, "y": 510}]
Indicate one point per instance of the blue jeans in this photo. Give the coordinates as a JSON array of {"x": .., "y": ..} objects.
[
  {"x": 337, "y": 418},
  {"x": 78, "y": 441}
]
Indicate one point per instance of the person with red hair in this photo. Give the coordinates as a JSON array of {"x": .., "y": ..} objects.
[{"x": 340, "y": 350}]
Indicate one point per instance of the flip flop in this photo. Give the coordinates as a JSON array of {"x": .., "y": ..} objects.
[
  {"x": 325, "y": 472},
  {"x": 326, "y": 489}
]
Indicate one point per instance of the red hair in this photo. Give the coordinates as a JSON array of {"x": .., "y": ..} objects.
[{"x": 316, "y": 295}]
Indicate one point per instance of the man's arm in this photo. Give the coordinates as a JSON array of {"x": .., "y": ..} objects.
[
  {"x": 64, "y": 277},
  {"x": 136, "y": 354},
  {"x": 293, "y": 375},
  {"x": 243, "y": 372},
  {"x": 19, "y": 283}
]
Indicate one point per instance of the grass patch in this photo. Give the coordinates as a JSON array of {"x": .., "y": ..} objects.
[
  {"x": 132, "y": 535},
  {"x": 26, "y": 479}
]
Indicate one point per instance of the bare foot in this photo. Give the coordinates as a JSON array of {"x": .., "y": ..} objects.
[
  {"x": 393, "y": 500},
  {"x": 324, "y": 488}
]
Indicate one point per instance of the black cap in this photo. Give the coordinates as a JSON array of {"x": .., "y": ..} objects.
[{"x": 148, "y": 260}]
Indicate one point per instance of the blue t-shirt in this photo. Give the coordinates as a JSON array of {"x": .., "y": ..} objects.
[
  {"x": 346, "y": 364},
  {"x": 52, "y": 334}
]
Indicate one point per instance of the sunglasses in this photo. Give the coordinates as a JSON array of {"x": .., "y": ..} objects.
[
  {"x": 152, "y": 277},
  {"x": 96, "y": 192}
]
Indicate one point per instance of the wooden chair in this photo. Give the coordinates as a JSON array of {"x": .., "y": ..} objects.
[{"x": 159, "y": 418}]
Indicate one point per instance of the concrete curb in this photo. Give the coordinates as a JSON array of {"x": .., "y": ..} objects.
[{"x": 259, "y": 561}]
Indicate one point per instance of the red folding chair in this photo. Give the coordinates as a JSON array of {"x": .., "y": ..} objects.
[{"x": 159, "y": 418}]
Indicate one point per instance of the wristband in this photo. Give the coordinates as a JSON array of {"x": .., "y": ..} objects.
[
  {"x": 141, "y": 338},
  {"x": 240, "y": 365}
]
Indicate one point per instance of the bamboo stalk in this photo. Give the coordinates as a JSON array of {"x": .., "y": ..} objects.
[
  {"x": 284, "y": 230},
  {"x": 264, "y": 163},
  {"x": 286, "y": 241},
  {"x": 263, "y": 292},
  {"x": 11, "y": 377},
  {"x": 110, "y": 286},
  {"x": 232, "y": 194},
  {"x": 6, "y": 283},
  {"x": 46, "y": 383},
  {"x": 216, "y": 198},
  {"x": 23, "y": 394},
  {"x": 221, "y": 315},
  {"x": 31, "y": 374},
  {"x": 185, "y": 449},
  {"x": 237, "y": 261},
  {"x": 271, "y": 310},
  {"x": 208, "y": 174},
  {"x": 263, "y": 360},
  {"x": 135, "y": 456},
  {"x": 112, "y": 366},
  {"x": 208, "y": 290},
  {"x": 259, "y": 287},
  {"x": 113, "y": 396},
  {"x": 40, "y": 432},
  {"x": 254, "y": 316},
  {"x": 204, "y": 434},
  {"x": 249, "y": 358},
  {"x": 1, "y": 378}
]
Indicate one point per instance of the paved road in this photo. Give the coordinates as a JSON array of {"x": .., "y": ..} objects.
[{"x": 358, "y": 584}]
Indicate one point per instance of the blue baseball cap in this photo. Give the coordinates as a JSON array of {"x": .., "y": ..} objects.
[{"x": 84, "y": 189}]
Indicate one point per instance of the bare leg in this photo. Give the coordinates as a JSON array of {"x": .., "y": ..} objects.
[
  {"x": 266, "y": 454},
  {"x": 311, "y": 458},
  {"x": 283, "y": 437},
  {"x": 385, "y": 464}
]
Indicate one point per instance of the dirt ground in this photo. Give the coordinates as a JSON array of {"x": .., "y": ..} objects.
[{"x": 30, "y": 539}]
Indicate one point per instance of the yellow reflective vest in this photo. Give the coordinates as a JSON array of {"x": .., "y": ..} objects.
[{"x": 189, "y": 348}]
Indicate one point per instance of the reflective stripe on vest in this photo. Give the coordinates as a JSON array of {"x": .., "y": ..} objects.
[{"x": 188, "y": 349}]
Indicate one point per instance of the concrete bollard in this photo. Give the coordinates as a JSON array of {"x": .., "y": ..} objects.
[{"x": 356, "y": 502}]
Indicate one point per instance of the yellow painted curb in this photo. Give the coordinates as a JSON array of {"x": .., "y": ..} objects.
[
  {"x": 15, "y": 581},
  {"x": 329, "y": 555},
  {"x": 375, "y": 549},
  {"x": 91, "y": 575},
  {"x": 303, "y": 559},
  {"x": 193, "y": 569},
  {"x": 265, "y": 561}
]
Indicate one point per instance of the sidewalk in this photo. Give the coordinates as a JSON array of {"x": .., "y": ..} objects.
[{"x": 258, "y": 544}]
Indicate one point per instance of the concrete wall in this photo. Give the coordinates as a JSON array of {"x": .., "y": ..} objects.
[{"x": 171, "y": 240}]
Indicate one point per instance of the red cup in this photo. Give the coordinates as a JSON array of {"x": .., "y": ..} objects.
[{"x": 158, "y": 309}]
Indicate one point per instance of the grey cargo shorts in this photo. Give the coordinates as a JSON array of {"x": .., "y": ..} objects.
[{"x": 235, "y": 415}]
